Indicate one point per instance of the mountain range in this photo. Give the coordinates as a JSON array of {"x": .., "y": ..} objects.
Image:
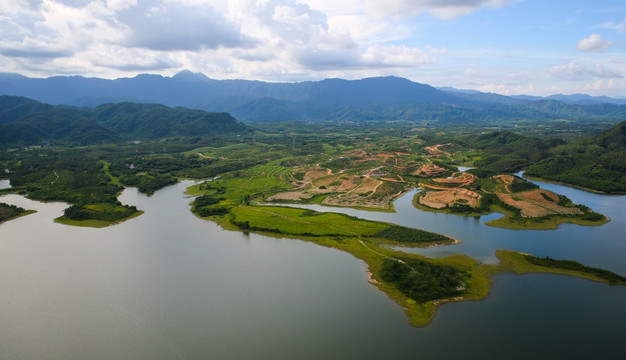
[{"x": 331, "y": 100}]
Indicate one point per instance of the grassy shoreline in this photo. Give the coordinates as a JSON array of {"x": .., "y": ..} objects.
[
  {"x": 94, "y": 223},
  {"x": 27, "y": 212},
  {"x": 518, "y": 263}
]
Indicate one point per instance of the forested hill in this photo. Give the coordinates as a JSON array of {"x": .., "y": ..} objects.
[
  {"x": 378, "y": 99},
  {"x": 597, "y": 163},
  {"x": 27, "y": 122},
  {"x": 505, "y": 151}
]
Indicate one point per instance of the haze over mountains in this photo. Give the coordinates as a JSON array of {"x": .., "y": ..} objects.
[{"x": 330, "y": 100}]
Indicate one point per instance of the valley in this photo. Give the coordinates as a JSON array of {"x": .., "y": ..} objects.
[{"x": 351, "y": 167}]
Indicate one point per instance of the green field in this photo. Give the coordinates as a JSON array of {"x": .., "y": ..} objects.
[
  {"x": 284, "y": 220},
  {"x": 520, "y": 263}
]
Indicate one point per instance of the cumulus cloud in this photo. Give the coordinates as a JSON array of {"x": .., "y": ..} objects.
[
  {"x": 593, "y": 43},
  {"x": 164, "y": 25},
  {"x": 33, "y": 49},
  {"x": 302, "y": 38},
  {"x": 270, "y": 39},
  {"x": 445, "y": 9},
  {"x": 396, "y": 56},
  {"x": 574, "y": 72},
  {"x": 134, "y": 60}
]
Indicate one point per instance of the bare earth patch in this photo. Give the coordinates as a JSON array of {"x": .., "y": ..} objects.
[
  {"x": 504, "y": 179},
  {"x": 316, "y": 173},
  {"x": 533, "y": 204},
  {"x": 429, "y": 170},
  {"x": 436, "y": 150},
  {"x": 289, "y": 196},
  {"x": 447, "y": 198},
  {"x": 539, "y": 197},
  {"x": 457, "y": 179},
  {"x": 324, "y": 181}
]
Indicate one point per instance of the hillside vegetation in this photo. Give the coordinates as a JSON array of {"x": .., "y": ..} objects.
[
  {"x": 598, "y": 163},
  {"x": 28, "y": 122}
]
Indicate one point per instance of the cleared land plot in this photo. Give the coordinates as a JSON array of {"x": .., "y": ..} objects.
[
  {"x": 429, "y": 170},
  {"x": 457, "y": 179},
  {"x": 447, "y": 198},
  {"x": 436, "y": 150},
  {"x": 534, "y": 204},
  {"x": 345, "y": 190},
  {"x": 316, "y": 174}
]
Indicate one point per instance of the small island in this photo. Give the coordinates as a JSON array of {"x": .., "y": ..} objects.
[
  {"x": 524, "y": 204},
  {"x": 97, "y": 215},
  {"x": 10, "y": 212}
]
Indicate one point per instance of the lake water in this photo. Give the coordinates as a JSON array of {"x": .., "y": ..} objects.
[{"x": 167, "y": 285}]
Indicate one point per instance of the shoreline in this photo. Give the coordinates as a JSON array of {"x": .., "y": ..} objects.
[
  {"x": 94, "y": 223},
  {"x": 550, "y": 223},
  {"x": 555, "y": 182}
]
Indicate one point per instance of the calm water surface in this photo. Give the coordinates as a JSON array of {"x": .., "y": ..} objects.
[{"x": 167, "y": 285}]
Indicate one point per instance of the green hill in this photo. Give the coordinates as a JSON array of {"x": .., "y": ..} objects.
[
  {"x": 14, "y": 107},
  {"x": 598, "y": 163},
  {"x": 153, "y": 121},
  {"x": 28, "y": 122},
  {"x": 505, "y": 151}
]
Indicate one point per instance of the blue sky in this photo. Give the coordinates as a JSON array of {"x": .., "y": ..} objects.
[{"x": 504, "y": 46}]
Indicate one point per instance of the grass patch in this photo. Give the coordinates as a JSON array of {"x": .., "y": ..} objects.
[
  {"x": 285, "y": 220},
  {"x": 520, "y": 263},
  {"x": 105, "y": 169}
]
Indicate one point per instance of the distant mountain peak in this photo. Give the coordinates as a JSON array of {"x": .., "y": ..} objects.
[{"x": 187, "y": 75}]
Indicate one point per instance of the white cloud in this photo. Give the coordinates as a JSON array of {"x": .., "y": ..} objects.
[
  {"x": 573, "y": 71},
  {"x": 445, "y": 9},
  {"x": 395, "y": 56},
  {"x": 593, "y": 43},
  {"x": 133, "y": 60},
  {"x": 30, "y": 48},
  {"x": 167, "y": 25},
  {"x": 611, "y": 25}
]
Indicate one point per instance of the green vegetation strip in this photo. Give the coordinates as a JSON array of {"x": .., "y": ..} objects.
[
  {"x": 10, "y": 212},
  {"x": 524, "y": 263},
  {"x": 94, "y": 222},
  {"x": 285, "y": 220}
]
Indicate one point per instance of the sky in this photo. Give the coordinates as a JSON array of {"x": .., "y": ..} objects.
[{"x": 533, "y": 47}]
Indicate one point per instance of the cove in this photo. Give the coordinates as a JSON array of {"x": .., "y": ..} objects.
[
  {"x": 167, "y": 285},
  {"x": 599, "y": 246}
]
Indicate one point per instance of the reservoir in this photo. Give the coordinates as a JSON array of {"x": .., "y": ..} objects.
[{"x": 167, "y": 285}]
